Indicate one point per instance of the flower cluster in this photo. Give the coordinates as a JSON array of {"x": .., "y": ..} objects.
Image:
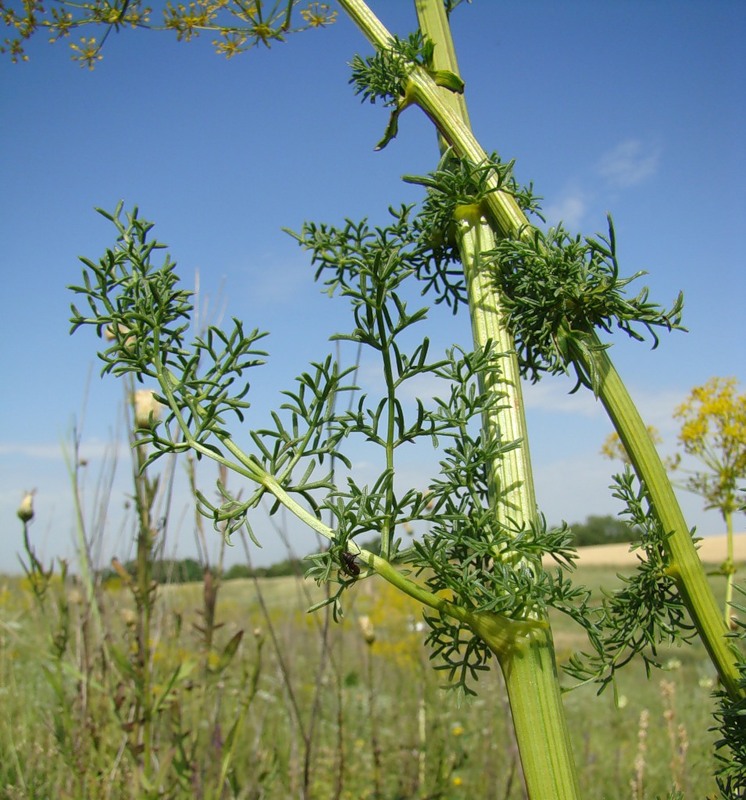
[{"x": 239, "y": 25}]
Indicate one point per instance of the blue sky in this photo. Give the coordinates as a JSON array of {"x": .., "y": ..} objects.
[{"x": 631, "y": 107}]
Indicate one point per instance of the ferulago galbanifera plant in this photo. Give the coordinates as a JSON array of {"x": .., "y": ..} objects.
[{"x": 540, "y": 302}]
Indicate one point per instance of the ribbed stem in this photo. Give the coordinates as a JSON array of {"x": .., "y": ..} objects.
[
  {"x": 526, "y": 655},
  {"x": 685, "y": 565},
  {"x": 513, "y": 483},
  {"x": 524, "y": 648}
]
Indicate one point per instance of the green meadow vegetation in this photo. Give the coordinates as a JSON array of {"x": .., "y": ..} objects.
[{"x": 305, "y": 707}]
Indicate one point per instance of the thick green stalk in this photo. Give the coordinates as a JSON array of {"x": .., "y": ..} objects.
[
  {"x": 529, "y": 666},
  {"x": 505, "y": 213},
  {"x": 527, "y": 659},
  {"x": 512, "y": 474},
  {"x": 685, "y": 566}
]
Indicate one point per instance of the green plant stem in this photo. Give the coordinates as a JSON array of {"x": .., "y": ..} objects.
[
  {"x": 527, "y": 659},
  {"x": 144, "y": 594},
  {"x": 144, "y": 600},
  {"x": 387, "y": 533},
  {"x": 729, "y": 567},
  {"x": 512, "y": 476},
  {"x": 529, "y": 667},
  {"x": 685, "y": 566},
  {"x": 505, "y": 213},
  {"x": 72, "y": 462}
]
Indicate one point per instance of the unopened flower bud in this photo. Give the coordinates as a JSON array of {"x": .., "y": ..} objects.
[
  {"x": 366, "y": 628},
  {"x": 110, "y": 335},
  {"x": 147, "y": 409},
  {"x": 26, "y": 509}
]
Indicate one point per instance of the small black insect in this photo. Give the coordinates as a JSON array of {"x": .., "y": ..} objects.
[{"x": 349, "y": 565}]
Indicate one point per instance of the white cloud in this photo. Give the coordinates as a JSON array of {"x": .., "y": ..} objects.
[
  {"x": 628, "y": 164},
  {"x": 553, "y": 394},
  {"x": 44, "y": 450},
  {"x": 569, "y": 209},
  {"x": 571, "y": 489}
]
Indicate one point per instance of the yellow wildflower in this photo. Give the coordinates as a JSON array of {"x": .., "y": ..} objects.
[
  {"x": 318, "y": 15},
  {"x": 87, "y": 52}
]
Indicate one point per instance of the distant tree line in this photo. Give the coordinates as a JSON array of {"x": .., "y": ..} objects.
[
  {"x": 188, "y": 570},
  {"x": 595, "y": 530},
  {"x": 290, "y": 566},
  {"x": 603, "y": 530}
]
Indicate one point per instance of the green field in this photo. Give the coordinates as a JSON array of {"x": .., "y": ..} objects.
[{"x": 307, "y": 707}]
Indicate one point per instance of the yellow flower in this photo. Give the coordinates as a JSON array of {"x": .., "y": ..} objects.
[
  {"x": 457, "y": 729},
  {"x": 457, "y": 780},
  {"x": 87, "y": 52},
  {"x": 317, "y": 15},
  {"x": 26, "y": 509}
]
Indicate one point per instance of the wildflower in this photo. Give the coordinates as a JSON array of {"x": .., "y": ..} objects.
[
  {"x": 366, "y": 628},
  {"x": 147, "y": 409},
  {"x": 457, "y": 780},
  {"x": 318, "y": 15},
  {"x": 26, "y": 509},
  {"x": 87, "y": 52},
  {"x": 457, "y": 729}
]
